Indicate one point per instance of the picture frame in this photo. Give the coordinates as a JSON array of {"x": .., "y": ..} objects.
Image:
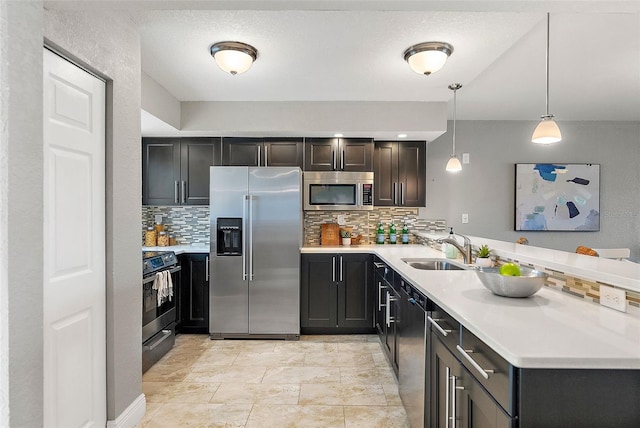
[{"x": 557, "y": 197}]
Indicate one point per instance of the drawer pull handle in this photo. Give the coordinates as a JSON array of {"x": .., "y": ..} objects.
[
  {"x": 379, "y": 265},
  {"x": 442, "y": 331},
  {"x": 465, "y": 353}
]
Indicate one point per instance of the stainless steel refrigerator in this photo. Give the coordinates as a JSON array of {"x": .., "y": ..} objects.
[{"x": 256, "y": 234}]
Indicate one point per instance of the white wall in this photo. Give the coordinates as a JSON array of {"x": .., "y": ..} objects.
[
  {"x": 109, "y": 45},
  {"x": 21, "y": 214},
  {"x": 105, "y": 44},
  {"x": 485, "y": 188},
  {"x": 157, "y": 101}
]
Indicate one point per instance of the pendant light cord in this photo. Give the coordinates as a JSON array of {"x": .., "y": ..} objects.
[
  {"x": 547, "y": 65},
  {"x": 454, "y": 121}
]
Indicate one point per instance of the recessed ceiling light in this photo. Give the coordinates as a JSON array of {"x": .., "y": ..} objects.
[
  {"x": 402, "y": 135},
  {"x": 338, "y": 135}
]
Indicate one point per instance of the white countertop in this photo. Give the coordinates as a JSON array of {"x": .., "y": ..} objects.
[
  {"x": 622, "y": 274},
  {"x": 548, "y": 330},
  {"x": 180, "y": 249}
]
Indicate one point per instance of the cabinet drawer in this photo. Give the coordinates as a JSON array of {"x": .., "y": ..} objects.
[
  {"x": 499, "y": 378},
  {"x": 445, "y": 327}
]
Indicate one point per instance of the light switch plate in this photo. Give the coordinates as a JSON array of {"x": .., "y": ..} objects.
[
  {"x": 613, "y": 298},
  {"x": 341, "y": 219},
  {"x": 465, "y": 218},
  {"x": 465, "y": 158}
]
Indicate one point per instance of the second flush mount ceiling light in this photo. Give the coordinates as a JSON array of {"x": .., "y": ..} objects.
[
  {"x": 429, "y": 57},
  {"x": 233, "y": 57}
]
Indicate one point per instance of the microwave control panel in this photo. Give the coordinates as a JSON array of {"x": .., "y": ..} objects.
[{"x": 367, "y": 194}]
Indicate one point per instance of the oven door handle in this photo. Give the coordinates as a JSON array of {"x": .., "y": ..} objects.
[
  {"x": 165, "y": 335},
  {"x": 153, "y": 277}
]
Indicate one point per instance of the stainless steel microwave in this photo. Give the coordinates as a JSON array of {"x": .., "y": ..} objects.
[{"x": 338, "y": 190}]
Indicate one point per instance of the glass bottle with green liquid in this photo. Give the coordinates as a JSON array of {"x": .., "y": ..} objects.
[
  {"x": 393, "y": 234},
  {"x": 380, "y": 234}
]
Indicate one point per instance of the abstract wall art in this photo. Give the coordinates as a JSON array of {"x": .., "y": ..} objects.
[{"x": 557, "y": 197}]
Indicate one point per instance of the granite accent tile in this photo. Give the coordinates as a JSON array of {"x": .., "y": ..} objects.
[
  {"x": 178, "y": 392},
  {"x": 208, "y": 415},
  {"x": 375, "y": 417},
  {"x": 279, "y": 416},
  {"x": 342, "y": 395},
  {"x": 258, "y": 393}
]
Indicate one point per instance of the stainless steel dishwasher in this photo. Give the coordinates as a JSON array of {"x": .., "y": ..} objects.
[{"x": 412, "y": 352}]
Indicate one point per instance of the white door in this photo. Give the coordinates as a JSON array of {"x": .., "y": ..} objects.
[{"x": 74, "y": 246}]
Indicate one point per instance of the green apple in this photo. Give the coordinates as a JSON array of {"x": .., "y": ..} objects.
[{"x": 510, "y": 269}]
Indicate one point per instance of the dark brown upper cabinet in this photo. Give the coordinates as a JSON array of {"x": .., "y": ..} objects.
[
  {"x": 262, "y": 152},
  {"x": 400, "y": 173},
  {"x": 175, "y": 171},
  {"x": 338, "y": 154}
]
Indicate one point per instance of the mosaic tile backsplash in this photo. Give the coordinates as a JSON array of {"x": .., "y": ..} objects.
[
  {"x": 365, "y": 223},
  {"x": 188, "y": 224}
]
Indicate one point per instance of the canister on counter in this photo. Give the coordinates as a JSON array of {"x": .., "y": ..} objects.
[
  {"x": 150, "y": 237},
  {"x": 163, "y": 239},
  {"x": 159, "y": 227},
  {"x": 172, "y": 240}
]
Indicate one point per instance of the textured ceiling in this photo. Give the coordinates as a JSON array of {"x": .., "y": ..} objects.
[{"x": 499, "y": 58}]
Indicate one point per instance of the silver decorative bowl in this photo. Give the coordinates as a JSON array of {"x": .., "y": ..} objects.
[{"x": 525, "y": 285}]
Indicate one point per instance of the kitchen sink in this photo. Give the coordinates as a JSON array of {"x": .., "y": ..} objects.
[{"x": 434, "y": 264}]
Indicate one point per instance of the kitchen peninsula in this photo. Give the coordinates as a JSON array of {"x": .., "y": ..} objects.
[{"x": 566, "y": 360}]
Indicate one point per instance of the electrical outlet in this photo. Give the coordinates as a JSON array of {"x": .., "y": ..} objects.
[
  {"x": 158, "y": 218},
  {"x": 613, "y": 298},
  {"x": 465, "y": 158},
  {"x": 341, "y": 220},
  {"x": 465, "y": 218}
]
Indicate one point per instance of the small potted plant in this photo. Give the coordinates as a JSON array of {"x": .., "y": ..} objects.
[
  {"x": 483, "y": 256},
  {"x": 345, "y": 234}
]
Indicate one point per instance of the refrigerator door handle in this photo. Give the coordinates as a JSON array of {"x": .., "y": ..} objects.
[
  {"x": 333, "y": 265},
  {"x": 341, "y": 264},
  {"x": 250, "y": 238},
  {"x": 245, "y": 199}
]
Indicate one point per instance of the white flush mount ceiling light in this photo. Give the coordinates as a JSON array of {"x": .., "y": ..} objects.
[
  {"x": 454, "y": 164},
  {"x": 429, "y": 57},
  {"x": 547, "y": 131},
  {"x": 234, "y": 57}
]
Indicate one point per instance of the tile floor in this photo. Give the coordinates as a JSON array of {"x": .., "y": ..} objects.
[{"x": 319, "y": 381}]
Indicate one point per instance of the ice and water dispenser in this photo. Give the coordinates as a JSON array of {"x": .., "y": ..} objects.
[{"x": 229, "y": 236}]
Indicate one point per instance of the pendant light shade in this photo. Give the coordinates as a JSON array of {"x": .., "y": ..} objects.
[
  {"x": 427, "y": 58},
  {"x": 547, "y": 131},
  {"x": 454, "y": 164},
  {"x": 234, "y": 57}
]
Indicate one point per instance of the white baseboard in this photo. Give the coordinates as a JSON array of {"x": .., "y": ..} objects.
[{"x": 132, "y": 415}]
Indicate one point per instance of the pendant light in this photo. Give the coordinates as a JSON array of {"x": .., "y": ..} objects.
[
  {"x": 547, "y": 131},
  {"x": 454, "y": 164}
]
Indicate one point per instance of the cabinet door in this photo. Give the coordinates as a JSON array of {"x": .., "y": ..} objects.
[
  {"x": 318, "y": 290},
  {"x": 195, "y": 293},
  {"x": 282, "y": 152},
  {"x": 412, "y": 170},
  {"x": 160, "y": 171},
  {"x": 477, "y": 408},
  {"x": 321, "y": 154},
  {"x": 385, "y": 168},
  {"x": 197, "y": 155},
  {"x": 443, "y": 366},
  {"x": 242, "y": 151},
  {"x": 355, "y": 297},
  {"x": 356, "y": 154}
]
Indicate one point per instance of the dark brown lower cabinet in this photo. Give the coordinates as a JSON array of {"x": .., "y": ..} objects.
[
  {"x": 336, "y": 292},
  {"x": 193, "y": 314},
  {"x": 457, "y": 398}
]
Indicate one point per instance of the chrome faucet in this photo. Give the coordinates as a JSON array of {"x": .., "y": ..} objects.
[{"x": 464, "y": 249}]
